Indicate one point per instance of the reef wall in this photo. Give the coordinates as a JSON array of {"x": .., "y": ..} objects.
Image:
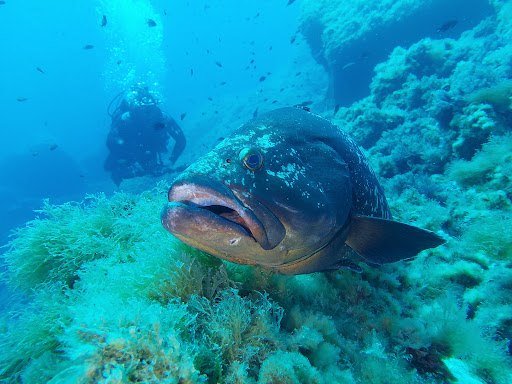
[{"x": 349, "y": 38}]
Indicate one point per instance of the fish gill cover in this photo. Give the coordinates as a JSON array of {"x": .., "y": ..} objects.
[{"x": 102, "y": 293}]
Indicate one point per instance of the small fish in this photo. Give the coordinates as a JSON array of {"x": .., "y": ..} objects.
[
  {"x": 191, "y": 72},
  {"x": 262, "y": 78},
  {"x": 119, "y": 62},
  {"x": 447, "y": 25},
  {"x": 182, "y": 116},
  {"x": 292, "y": 39},
  {"x": 303, "y": 107},
  {"x": 336, "y": 109},
  {"x": 35, "y": 153},
  {"x": 219, "y": 64},
  {"x": 297, "y": 196},
  {"x": 40, "y": 70},
  {"x": 21, "y": 99},
  {"x": 103, "y": 21},
  {"x": 298, "y": 73},
  {"x": 255, "y": 113},
  {"x": 222, "y": 83},
  {"x": 88, "y": 46},
  {"x": 210, "y": 99},
  {"x": 290, "y": 2},
  {"x": 252, "y": 61},
  {"x": 151, "y": 23},
  {"x": 53, "y": 147},
  {"x": 2, "y": 2}
]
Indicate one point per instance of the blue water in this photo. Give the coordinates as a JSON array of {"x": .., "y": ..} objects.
[{"x": 66, "y": 106}]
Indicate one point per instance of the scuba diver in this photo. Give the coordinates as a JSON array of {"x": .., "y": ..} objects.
[{"x": 138, "y": 136}]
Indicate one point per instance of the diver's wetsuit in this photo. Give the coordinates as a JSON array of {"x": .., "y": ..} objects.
[{"x": 138, "y": 136}]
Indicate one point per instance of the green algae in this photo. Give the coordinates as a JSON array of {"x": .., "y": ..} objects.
[{"x": 147, "y": 308}]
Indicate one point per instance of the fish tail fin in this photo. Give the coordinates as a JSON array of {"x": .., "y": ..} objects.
[{"x": 382, "y": 241}]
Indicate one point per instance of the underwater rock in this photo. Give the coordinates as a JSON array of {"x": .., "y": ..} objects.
[{"x": 342, "y": 33}]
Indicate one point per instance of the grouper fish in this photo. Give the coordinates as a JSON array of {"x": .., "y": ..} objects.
[{"x": 291, "y": 192}]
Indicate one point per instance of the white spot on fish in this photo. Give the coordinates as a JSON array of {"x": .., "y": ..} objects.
[{"x": 234, "y": 241}]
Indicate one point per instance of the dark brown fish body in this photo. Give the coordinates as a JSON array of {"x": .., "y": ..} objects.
[
  {"x": 151, "y": 23},
  {"x": 104, "y": 21},
  {"x": 290, "y": 192}
]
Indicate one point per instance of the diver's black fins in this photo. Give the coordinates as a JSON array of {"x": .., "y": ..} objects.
[{"x": 381, "y": 241}]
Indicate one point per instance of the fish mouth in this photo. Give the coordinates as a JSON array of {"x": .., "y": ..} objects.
[
  {"x": 206, "y": 210},
  {"x": 229, "y": 214}
]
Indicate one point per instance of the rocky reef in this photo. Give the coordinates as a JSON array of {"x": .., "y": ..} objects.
[{"x": 349, "y": 38}]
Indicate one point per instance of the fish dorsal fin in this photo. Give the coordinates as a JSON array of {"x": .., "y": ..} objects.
[{"x": 381, "y": 241}]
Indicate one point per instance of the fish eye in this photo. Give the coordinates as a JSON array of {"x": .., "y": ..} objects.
[{"x": 251, "y": 158}]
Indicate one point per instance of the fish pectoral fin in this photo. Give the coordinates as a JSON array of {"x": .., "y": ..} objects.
[{"x": 382, "y": 241}]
